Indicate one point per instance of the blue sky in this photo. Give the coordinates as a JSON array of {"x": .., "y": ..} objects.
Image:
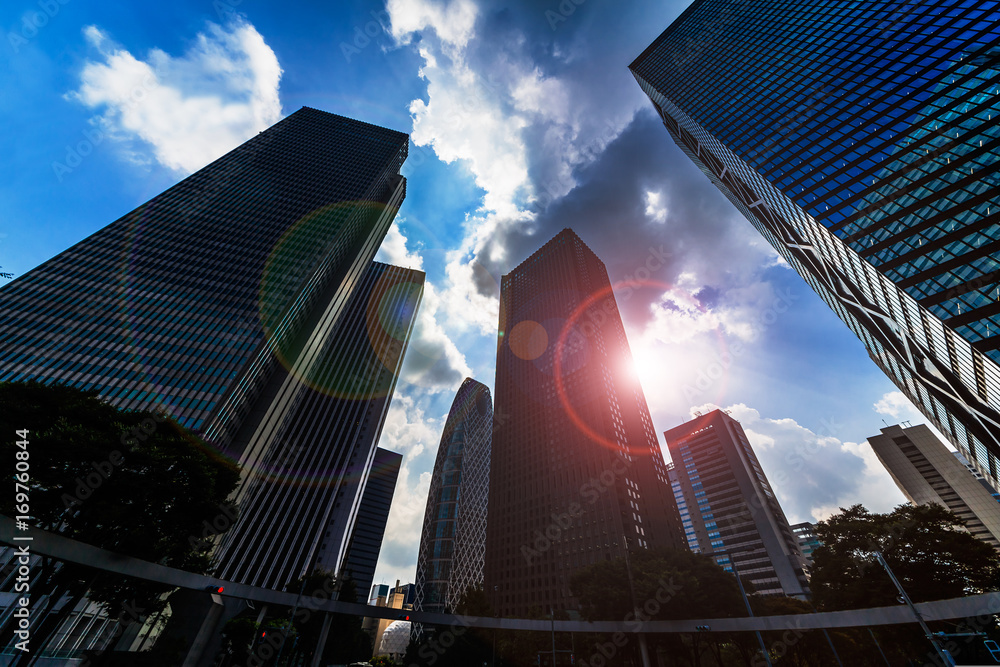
[{"x": 524, "y": 120}]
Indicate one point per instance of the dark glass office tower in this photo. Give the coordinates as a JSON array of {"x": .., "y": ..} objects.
[
  {"x": 369, "y": 528},
  {"x": 576, "y": 473},
  {"x": 453, "y": 540},
  {"x": 244, "y": 302},
  {"x": 190, "y": 301},
  {"x": 734, "y": 514},
  {"x": 310, "y": 454},
  {"x": 861, "y": 139}
]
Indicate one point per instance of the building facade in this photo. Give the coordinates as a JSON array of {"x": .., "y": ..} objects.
[
  {"x": 682, "y": 508},
  {"x": 453, "y": 540},
  {"x": 244, "y": 302},
  {"x": 369, "y": 527},
  {"x": 576, "y": 473},
  {"x": 862, "y": 141},
  {"x": 314, "y": 449},
  {"x": 805, "y": 533},
  {"x": 926, "y": 471},
  {"x": 736, "y": 517}
]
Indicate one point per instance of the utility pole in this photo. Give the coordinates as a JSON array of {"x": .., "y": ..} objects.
[
  {"x": 941, "y": 651},
  {"x": 643, "y": 649},
  {"x": 746, "y": 601}
]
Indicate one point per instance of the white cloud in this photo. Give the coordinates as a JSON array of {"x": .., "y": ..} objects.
[
  {"x": 895, "y": 404},
  {"x": 452, "y": 21},
  {"x": 432, "y": 359},
  {"x": 656, "y": 209},
  {"x": 742, "y": 312},
  {"x": 518, "y": 130},
  {"x": 189, "y": 109},
  {"x": 813, "y": 473},
  {"x": 414, "y": 434},
  {"x": 393, "y": 249}
]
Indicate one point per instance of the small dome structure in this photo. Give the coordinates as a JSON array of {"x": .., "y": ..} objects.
[{"x": 395, "y": 639}]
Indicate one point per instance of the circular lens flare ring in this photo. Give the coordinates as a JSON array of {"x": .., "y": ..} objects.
[{"x": 570, "y": 326}]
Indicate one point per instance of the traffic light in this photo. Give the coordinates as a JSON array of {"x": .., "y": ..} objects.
[
  {"x": 215, "y": 589},
  {"x": 702, "y": 628}
]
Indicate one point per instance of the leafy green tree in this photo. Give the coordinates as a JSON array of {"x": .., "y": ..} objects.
[
  {"x": 668, "y": 584},
  {"x": 132, "y": 482},
  {"x": 928, "y": 551},
  {"x": 925, "y": 545}
]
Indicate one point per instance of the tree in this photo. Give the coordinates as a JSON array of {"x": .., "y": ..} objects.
[
  {"x": 668, "y": 584},
  {"x": 928, "y": 551},
  {"x": 925, "y": 545},
  {"x": 132, "y": 482},
  {"x": 346, "y": 641}
]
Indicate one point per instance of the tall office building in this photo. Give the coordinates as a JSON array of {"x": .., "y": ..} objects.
[
  {"x": 244, "y": 302},
  {"x": 369, "y": 527},
  {"x": 805, "y": 533},
  {"x": 576, "y": 473},
  {"x": 861, "y": 140},
  {"x": 687, "y": 524},
  {"x": 926, "y": 471},
  {"x": 453, "y": 540},
  {"x": 736, "y": 517},
  {"x": 301, "y": 492}
]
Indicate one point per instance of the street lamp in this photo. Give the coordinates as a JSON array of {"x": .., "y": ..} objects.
[
  {"x": 643, "y": 648},
  {"x": 746, "y": 601},
  {"x": 941, "y": 651}
]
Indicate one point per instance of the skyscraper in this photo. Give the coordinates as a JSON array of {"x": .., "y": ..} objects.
[
  {"x": 576, "y": 473},
  {"x": 928, "y": 472},
  {"x": 736, "y": 517},
  {"x": 244, "y": 301},
  {"x": 312, "y": 452},
  {"x": 369, "y": 527},
  {"x": 682, "y": 507},
  {"x": 805, "y": 533},
  {"x": 861, "y": 140},
  {"x": 453, "y": 540}
]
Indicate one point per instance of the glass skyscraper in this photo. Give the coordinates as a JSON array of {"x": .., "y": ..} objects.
[
  {"x": 576, "y": 472},
  {"x": 453, "y": 540},
  {"x": 244, "y": 302},
  {"x": 861, "y": 140},
  {"x": 369, "y": 528}
]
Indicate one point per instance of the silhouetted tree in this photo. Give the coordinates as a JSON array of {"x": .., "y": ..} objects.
[{"x": 132, "y": 482}]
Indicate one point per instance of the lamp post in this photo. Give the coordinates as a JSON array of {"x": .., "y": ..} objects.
[
  {"x": 643, "y": 649},
  {"x": 746, "y": 601},
  {"x": 941, "y": 651}
]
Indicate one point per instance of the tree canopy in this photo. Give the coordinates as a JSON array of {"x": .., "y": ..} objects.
[
  {"x": 925, "y": 545},
  {"x": 132, "y": 482}
]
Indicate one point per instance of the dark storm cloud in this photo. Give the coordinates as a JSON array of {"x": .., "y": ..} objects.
[
  {"x": 702, "y": 234},
  {"x": 590, "y": 174}
]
